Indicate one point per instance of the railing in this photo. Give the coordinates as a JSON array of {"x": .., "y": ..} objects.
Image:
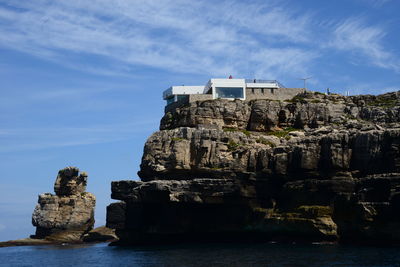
[{"x": 264, "y": 81}]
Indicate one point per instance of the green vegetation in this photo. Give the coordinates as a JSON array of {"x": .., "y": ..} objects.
[
  {"x": 265, "y": 142},
  {"x": 232, "y": 145},
  {"x": 247, "y": 133},
  {"x": 228, "y": 130},
  {"x": 319, "y": 93},
  {"x": 283, "y": 133},
  {"x": 316, "y": 101},
  {"x": 297, "y": 99},
  {"x": 215, "y": 168},
  {"x": 382, "y": 102},
  {"x": 169, "y": 118}
]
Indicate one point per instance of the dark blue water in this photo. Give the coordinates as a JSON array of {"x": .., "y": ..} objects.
[{"x": 201, "y": 255}]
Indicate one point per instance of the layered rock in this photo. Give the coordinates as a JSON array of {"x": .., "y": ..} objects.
[
  {"x": 316, "y": 167},
  {"x": 305, "y": 110},
  {"x": 69, "y": 214}
]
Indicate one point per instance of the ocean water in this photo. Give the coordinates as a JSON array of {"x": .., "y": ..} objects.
[{"x": 201, "y": 255}]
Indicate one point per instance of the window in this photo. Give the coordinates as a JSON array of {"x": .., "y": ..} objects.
[
  {"x": 170, "y": 100},
  {"x": 262, "y": 90},
  {"x": 182, "y": 97},
  {"x": 229, "y": 92},
  {"x": 252, "y": 90}
]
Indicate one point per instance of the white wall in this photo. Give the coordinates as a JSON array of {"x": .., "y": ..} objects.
[
  {"x": 183, "y": 90},
  {"x": 226, "y": 83},
  {"x": 262, "y": 85},
  {"x": 219, "y": 82}
]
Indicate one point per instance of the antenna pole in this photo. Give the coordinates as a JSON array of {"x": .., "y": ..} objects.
[{"x": 304, "y": 81}]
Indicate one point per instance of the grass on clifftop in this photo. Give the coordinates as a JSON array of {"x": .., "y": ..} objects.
[
  {"x": 383, "y": 102},
  {"x": 297, "y": 99}
]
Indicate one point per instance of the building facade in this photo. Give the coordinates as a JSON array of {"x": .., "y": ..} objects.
[{"x": 231, "y": 89}]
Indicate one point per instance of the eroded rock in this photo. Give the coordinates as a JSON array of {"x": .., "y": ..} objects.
[
  {"x": 69, "y": 214},
  {"x": 317, "y": 167}
]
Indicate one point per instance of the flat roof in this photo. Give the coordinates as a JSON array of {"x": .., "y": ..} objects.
[
  {"x": 183, "y": 90},
  {"x": 220, "y": 82}
]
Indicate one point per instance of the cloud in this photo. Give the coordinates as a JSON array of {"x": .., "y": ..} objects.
[
  {"x": 209, "y": 37},
  {"x": 353, "y": 35},
  {"x": 375, "y": 3},
  {"x": 22, "y": 139},
  {"x": 264, "y": 39}
]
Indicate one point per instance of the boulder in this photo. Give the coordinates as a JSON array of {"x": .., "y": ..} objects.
[{"x": 100, "y": 234}]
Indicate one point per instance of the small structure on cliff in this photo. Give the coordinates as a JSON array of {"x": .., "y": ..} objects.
[
  {"x": 69, "y": 214},
  {"x": 243, "y": 89}
]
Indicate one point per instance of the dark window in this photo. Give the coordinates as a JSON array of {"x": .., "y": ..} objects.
[
  {"x": 170, "y": 100},
  {"x": 262, "y": 90},
  {"x": 229, "y": 92},
  {"x": 252, "y": 90},
  {"x": 182, "y": 97}
]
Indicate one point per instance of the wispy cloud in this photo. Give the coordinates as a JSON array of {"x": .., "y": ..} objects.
[
  {"x": 269, "y": 39},
  {"x": 182, "y": 36},
  {"x": 22, "y": 139},
  {"x": 375, "y": 3},
  {"x": 355, "y": 36}
]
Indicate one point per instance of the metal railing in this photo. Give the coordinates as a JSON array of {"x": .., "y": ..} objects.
[{"x": 264, "y": 81}]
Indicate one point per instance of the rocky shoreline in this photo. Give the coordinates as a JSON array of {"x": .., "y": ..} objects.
[
  {"x": 66, "y": 217},
  {"x": 97, "y": 235},
  {"x": 317, "y": 168}
]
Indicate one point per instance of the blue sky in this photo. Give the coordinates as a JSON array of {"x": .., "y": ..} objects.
[{"x": 81, "y": 81}]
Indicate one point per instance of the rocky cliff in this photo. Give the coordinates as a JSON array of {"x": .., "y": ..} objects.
[
  {"x": 316, "y": 167},
  {"x": 69, "y": 214}
]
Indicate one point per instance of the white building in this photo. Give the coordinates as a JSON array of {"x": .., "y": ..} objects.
[
  {"x": 175, "y": 93},
  {"x": 226, "y": 88},
  {"x": 243, "y": 89}
]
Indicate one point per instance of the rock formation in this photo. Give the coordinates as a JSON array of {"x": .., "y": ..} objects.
[
  {"x": 317, "y": 167},
  {"x": 100, "y": 234},
  {"x": 69, "y": 214}
]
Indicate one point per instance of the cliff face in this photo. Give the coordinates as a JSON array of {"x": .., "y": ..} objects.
[
  {"x": 316, "y": 167},
  {"x": 69, "y": 214}
]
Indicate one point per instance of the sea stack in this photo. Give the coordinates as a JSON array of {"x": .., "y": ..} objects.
[{"x": 69, "y": 214}]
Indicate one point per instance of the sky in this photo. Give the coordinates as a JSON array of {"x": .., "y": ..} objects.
[{"x": 81, "y": 81}]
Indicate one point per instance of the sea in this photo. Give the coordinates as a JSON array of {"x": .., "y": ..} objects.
[{"x": 208, "y": 255}]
